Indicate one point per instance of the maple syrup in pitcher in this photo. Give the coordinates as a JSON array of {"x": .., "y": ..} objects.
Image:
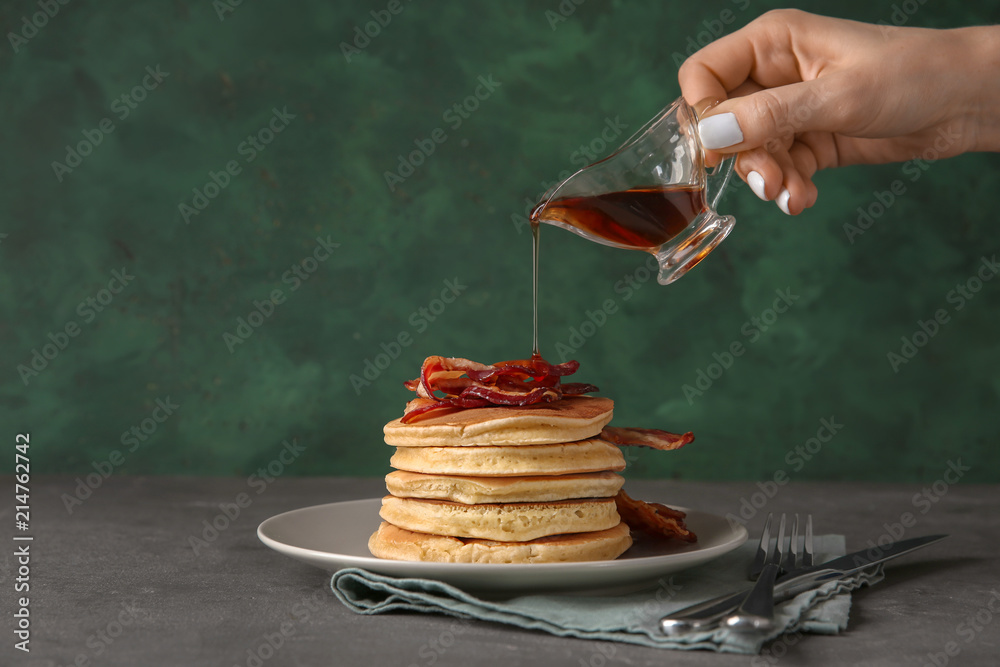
[
  {"x": 640, "y": 219},
  {"x": 655, "y": 193}
]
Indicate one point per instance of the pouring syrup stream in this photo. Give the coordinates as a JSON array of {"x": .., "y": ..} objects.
[{"x": 535, "y": 352}]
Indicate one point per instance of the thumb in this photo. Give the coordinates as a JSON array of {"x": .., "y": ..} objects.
[{"x": 769, "y": 118}]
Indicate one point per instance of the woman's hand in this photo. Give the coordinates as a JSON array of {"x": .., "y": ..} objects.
[{"x": 805, "y": 92}]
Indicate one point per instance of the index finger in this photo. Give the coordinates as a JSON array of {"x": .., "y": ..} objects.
[
  {"x": 716, "y": 69},
  {"x": 761, "y": 52}
]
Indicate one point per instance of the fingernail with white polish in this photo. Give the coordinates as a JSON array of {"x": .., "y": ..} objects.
[
  {"x": 720, "y": 131},
  {"x": 782, "y": 200},
  {"x": 756, "y": 183}
]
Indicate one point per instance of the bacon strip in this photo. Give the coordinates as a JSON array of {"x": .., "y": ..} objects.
[
  {"x": 646, "y": 437},
  {"x": 452, "y": 382},
  {"x": 419, "y": 406},
  {"x": 499, "y": 396},
  {"x": 653, "y": 518},
  {"x": 536, "y": 368},
  {"x": 437, "y": 369},
  {"x": 577, "y": 388}
]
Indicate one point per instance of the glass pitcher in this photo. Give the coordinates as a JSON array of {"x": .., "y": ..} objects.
[{"x": 651, "y": 194}]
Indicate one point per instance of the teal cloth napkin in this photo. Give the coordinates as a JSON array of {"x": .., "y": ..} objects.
[{"x": 632, "y": 618}]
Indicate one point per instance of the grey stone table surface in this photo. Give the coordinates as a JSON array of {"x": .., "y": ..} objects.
[{"x": 117, "y": 581}]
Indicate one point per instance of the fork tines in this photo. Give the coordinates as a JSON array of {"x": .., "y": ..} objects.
[
  {"x": 799, "y": 550},
  {"x": 778, "y": 558},
  {"x": 807, "y": 551},
  {"x": 763, "y": 550},
  {"x": 794, "y": 552}
]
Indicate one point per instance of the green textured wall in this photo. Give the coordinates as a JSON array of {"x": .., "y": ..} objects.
[{"x": 227, "y": 69}]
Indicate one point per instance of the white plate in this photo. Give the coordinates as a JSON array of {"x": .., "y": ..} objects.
[{"x": 335, "y": 536}]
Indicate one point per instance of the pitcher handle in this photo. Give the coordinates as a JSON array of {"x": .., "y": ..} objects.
[{"x": 720, "y": 174}]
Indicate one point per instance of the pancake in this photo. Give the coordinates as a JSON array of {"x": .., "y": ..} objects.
[
  {"x": 564, "y": 459},
  {"x": 478, "y": 490},
  {"x": 566, "y": 420},
  {"x": 504, "y": 522},
  {"x": 397, "y": 543}
]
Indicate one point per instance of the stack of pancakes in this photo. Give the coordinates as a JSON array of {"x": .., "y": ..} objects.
[{"x": 524, "y": 484}]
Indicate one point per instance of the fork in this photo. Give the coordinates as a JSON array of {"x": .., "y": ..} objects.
[{"x": 756, "y": 613}]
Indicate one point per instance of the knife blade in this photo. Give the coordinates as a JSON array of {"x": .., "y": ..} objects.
[{"x": 705, "y": 614}]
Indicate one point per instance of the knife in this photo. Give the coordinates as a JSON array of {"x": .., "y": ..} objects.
[{"x": 706, "y": 614}]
